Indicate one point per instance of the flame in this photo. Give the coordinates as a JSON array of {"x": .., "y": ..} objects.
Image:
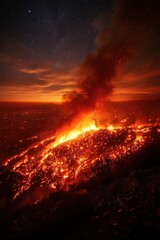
[
  {"x": 66, "y": 159},
  {"x": 85, "y": 125}
]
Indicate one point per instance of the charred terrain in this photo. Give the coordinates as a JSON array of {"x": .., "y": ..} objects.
[{"x": 98, "y": 180}]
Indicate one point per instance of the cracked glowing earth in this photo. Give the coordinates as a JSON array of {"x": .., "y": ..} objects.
[{"x": 57, "y": 163}]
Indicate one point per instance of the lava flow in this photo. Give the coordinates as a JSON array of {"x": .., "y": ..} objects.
[{"x": 64, "y": 161}]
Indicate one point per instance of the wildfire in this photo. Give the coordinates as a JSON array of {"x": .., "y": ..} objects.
[
  {"x": 69, "y": 158},
  {"x": 87, "y": 125}
]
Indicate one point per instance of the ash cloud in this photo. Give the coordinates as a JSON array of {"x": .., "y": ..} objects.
[{"x": 121, "y": 39}]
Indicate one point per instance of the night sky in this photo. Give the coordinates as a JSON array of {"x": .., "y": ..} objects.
[{"x": 48, "y": 48}]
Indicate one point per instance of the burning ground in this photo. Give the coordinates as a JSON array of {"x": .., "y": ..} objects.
[
  {"x": 97, "y": 174},
  {"x": 61, "y": 164},
  {"x": 67, "y": 180}
]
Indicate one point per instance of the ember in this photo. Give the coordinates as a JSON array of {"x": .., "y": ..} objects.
[{"x": 64, "y": 161}]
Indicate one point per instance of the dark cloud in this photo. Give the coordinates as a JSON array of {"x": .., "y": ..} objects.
[
  {"x": 33, "y": 78},
  {"x": 117, "y": 46},
  {"x": 58, "y": 87},
  {"x": 11, "y": 77},
  {"x": 126, "y": 58}
]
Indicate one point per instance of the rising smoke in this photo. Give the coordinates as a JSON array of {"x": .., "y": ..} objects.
[{"x": 119, "y": 39}]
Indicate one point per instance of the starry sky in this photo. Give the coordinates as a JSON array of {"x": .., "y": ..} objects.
[{"x": 44, "y": 43}]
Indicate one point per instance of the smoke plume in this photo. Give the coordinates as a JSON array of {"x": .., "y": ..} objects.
[{"x": 118, "y": 40}]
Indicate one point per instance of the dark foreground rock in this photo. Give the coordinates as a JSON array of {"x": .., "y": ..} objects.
[{"x": 127, "y": 208}]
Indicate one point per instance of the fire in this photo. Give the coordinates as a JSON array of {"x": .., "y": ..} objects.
[
  {"x": 86, "y": 125},
  {"x": 110, "y": 128},
  {"x": 68, "y": 158}
]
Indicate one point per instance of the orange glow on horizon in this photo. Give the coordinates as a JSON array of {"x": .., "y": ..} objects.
[
  {"x": 119, "y": 94},
  {"x": 129, "y": 86}
]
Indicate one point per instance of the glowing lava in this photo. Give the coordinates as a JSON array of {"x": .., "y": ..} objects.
[{"x": 69, "y": 159}]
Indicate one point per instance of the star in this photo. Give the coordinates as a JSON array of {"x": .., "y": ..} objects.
[{"x": 29, "y": 11}]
